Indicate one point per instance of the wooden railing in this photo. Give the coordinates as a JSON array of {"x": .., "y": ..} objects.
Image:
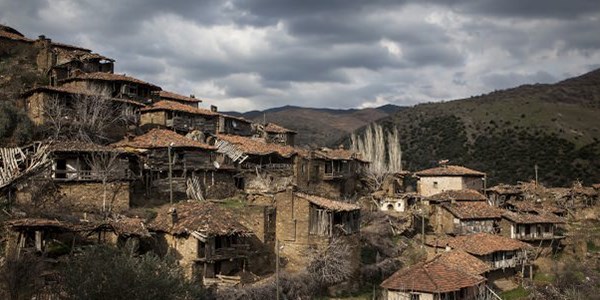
[{"x": 88, "y": 175}]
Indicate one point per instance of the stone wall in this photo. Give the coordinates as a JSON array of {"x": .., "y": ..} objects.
[
  {"x": 427, "y": 186},
  {"x": 153, "y": 118}
]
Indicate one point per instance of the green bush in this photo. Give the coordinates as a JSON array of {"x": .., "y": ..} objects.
[{"x": 102, "y": 272}]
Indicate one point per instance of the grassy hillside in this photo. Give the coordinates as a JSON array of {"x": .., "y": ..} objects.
[
  {"x": 321, "y": 126},
  {"x": 506, "y": 133}
]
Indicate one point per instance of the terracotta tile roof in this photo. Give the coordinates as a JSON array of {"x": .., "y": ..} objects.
[
  {"x": 533, "y": 218},
  {"x": 337, "y": 154},
  {"x": 167, "y": 105},
  {"x": 484, "y": 243},
  {"x": 71, "y": 47},
  {"x": 257, "y": 146},
  {"x": 328, "y": 203},
  {"x": 579, "y": 190},
  {"x": 37, "y": 222},
  {"x": 433, "y": 276},
  {"x": 101, "y": 76},
  {"x": 449, "y": 170},
  {"x": 274, "y": 128},
  {"x": 177, "y": 97},
  {"x": 78, "y": 146},
  {"x": 236, "y": 118},
  {"x": 76, "y": 91},
  {"x": 459, "y": 259},
  {"x": 457, "y": 195},
  {"x": 161, "y": 138},
  {"x": 129, "y": 226},
  {"x": 505, "y": 189},
  {"x": 596, "y": 186},
  {"x": 473, "y": 210},
  {"x": 204, "y": 217},
  {"x": 13, "y": 36},
  {"x": 529, "y": 206}
]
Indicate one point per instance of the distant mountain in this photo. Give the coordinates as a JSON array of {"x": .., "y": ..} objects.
[
  {"x": 320, "y": 126},
  {"x": 506, "y": 133}
]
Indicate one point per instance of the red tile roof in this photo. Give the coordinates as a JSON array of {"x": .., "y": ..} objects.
[
  {"x": 462, "y": 260},
  {"x": 101, "y": 76},
  {"x": 177, "y": 97},
  {"x": 484, "y": 243},
  {"x": 539, "y": 208},
  {"x": 457, "y": 195},
  {"x": 257, "y": 146},
  {"x": 166, "y": 105},
  {"x": 161, "y": 138},
  {"x": 473, "y": 210},
  {"x": 433, "y": 276},
  {"x": 337, "y": 154},
  {"x": 13, "y": 36},
  {"x": 533, "y": 218},
  {"x": 76, "y": 91},
  {"x": 449, "y": 170},
  {"x": 201, "y": 216},
  {"x": 274, "y": 128},
  {"x": 328, "y": 203}
]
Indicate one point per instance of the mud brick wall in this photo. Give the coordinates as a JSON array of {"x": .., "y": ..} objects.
[{"x": 89, "y": 196}]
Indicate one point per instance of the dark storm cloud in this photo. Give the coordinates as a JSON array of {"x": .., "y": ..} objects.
[{"x": 337, "y": 53}]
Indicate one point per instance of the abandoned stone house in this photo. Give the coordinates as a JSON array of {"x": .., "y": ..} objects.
[
  {"x": 113, "y": 85},
  {"x": 190, "y": 170},
  {"x": 190, "y": 100},
  {"x": 234, "y": 125},
  {"x": 88, "y": 177},
  {"x": 498, "y": 195},
  {"x": 504, "y": 256},
  {"x": 276, "y": 134},
  {"x": 448, "y": 177},
  {"x": 55, "y": 237},
  {"x": 435, "y": 279},
  {"x": 539, "y": 228},
  {"x": 208, "y": 242},
  {"x": 41, "y": 101},
  {"x": 461, "y": 218},
  {"x": 262, "y": 166},
  {"x": 308, "y": 222},
  {"x": 537, "y": 207},
  {"x": 179, "y": 117},
  {"x": 332, "y": 173}
]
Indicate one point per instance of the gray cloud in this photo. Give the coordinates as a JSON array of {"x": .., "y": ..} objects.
[{"x": 338, "y": 53}]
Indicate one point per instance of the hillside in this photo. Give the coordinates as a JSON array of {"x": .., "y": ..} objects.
[
  {"x": 320, "y": 126},
  {"x": 506, "y": 133}
]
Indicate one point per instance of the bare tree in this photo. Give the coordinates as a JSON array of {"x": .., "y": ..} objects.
[
  {"x": 56, "y": 117},
  {"x": 106, "y": 166},
  {"x": 18, "y": 275},
  {"x": 333, "y": 264},
  {"x": 86, "y": 117},
  {"x": 382, "y": 149}
]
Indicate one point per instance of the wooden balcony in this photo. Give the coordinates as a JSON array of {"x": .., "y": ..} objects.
[
  {"x": 225, "y": 253},
  {"x": 88, "y": 175}
]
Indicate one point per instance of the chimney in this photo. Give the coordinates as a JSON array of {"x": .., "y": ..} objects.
[
  {"x": 192, "y": 96},
  {"x": 213, "y": 108}
]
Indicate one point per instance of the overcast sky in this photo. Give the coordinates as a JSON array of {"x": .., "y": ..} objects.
[{"x": 244, "y": 55}]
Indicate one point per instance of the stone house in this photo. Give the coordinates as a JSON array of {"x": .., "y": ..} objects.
[
  {"x": 194, "y": 171},
  {"x": 234, "y": 125},
  {"x": 332, "y": 173},
  {"x": 504, "y": 256},
  {"x": 502, "y": 193},
  {"x": 37, "y": 102},
  {"x": 262, "y": 166},
  {"x": 539, "y": 227},
  {"x": 190, "y": 100},
  {"x": 448, "y": 177},
  {"x": 88, "y": 177},
  {"x": 50, "y": 237},
  {"x": 113, "y": 86},
  {"x": 307, "y": 222},
  {"x": 208, "y": 241},
  {"x": 180, "y": 117},
  {"x": 436, "y": 279},
  {"x": 461, "y": 218},
  {"x": 276, "y": 134}
]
